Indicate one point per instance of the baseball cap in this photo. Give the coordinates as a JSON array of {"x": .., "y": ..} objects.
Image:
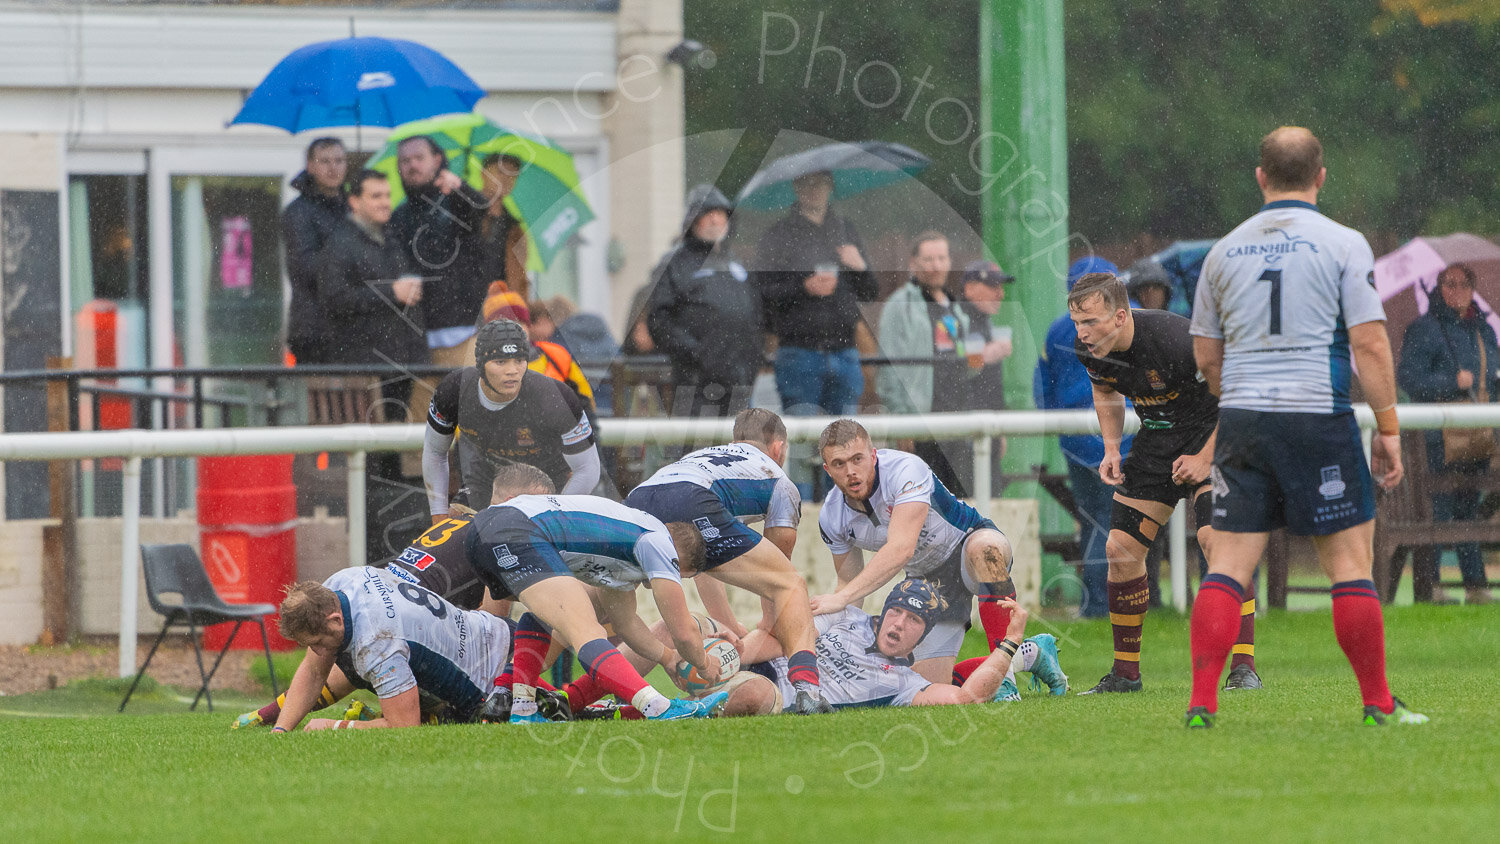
[
  {"x": 986, "y": 272},
  {"x": 1089, "y": 264}
]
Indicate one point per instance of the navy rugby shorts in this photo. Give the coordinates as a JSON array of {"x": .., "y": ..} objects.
[{"x": 1302, "y": 471}]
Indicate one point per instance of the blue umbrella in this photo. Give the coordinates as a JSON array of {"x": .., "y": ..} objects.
[
  {"x": 359, "y": 82},
  {"x": 856, "y": 168}
]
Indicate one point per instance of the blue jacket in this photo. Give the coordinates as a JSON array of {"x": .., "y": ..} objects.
[{"x": 1061, "y": 382}]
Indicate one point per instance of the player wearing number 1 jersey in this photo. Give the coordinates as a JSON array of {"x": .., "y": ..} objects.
[
  {"x": 1147, "y": 356},
  {"x": 1283, "y": 303}
]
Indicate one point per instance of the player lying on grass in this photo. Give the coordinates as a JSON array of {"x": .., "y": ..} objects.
[
  {"x": 867, "y": 660},
  {"x": 393, "y": 635},
  {"x": 1147, "y": 356},
  {"x": 400, "y": 638},
  {"x": 544, "y": 549},
  {"x": 889, "y": 502},
  {"x": 718, "y": 489},
  {"x": 437, "y": 561}
]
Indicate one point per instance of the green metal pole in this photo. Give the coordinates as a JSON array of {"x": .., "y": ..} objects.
[{"x": 1025, "y": 200}]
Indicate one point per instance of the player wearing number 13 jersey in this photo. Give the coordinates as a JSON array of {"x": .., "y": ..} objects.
[{"x": 1285, "y": 302}]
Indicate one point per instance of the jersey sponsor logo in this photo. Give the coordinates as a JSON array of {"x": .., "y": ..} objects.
[
  {"x": 1333, "y": 484},
  {"x": 1156, "y": 381},
  {"x": 580, "y": 432},
  {"x": 706, "y": 528},
  {"x": 1273, "y": 252},
  {"x": 416, "y": 558},
  {"x": 523, "y": 437},
  {"x": 504, "y": 558},
  {"x": 1153, "y": 401}
]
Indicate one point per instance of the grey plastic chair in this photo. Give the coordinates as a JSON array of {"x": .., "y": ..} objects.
[{"x": 176, "y": 570}]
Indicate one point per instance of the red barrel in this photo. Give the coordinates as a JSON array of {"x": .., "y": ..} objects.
[{"x": 247, "y": 520}]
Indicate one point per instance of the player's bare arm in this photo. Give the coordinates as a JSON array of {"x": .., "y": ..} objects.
[
  {"x": 1377, "y": 375},
  {"x": 846, "y": 567},
  {"x": 1109, "y": 406},
  {"x": 302, "y": 694},
  {"x": 1208, "y": 352},
  {"x": 618, "y": 608},
  {"x": 402, "y": 710},
  {"x": 981, "y": 685},
  {"x": 901, "y": 542},
  {"x": 672, "y": 602},
  {"x": 716, "y": 603},
  {"x": 784, "y": 538}
]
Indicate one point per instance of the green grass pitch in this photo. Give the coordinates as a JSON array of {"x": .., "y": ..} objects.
[{"x": 1289, "y": 762}]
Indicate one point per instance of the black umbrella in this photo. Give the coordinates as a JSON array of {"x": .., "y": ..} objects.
[{"x": 855, "y": 167}]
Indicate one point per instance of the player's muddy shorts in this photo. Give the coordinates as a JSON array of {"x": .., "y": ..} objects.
[{"x": 1302, "y": 471}]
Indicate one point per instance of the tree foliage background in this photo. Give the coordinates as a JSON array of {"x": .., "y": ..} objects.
[{"x": 1167, "y": 101}]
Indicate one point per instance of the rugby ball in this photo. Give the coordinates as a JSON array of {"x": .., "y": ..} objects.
[{"x": 718, "y": 650}]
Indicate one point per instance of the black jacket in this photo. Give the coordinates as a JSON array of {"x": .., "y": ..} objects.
[
  {"x": 785, "y": 257},
  {"x": 365, "y": 322},
  {"x": 703, "y": 314},
  {"x": 441, "y": 236},
  {"x": 306, "y": 225}
]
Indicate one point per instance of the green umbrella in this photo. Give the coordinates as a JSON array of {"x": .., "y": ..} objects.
[{"x": 546, "y": 199}]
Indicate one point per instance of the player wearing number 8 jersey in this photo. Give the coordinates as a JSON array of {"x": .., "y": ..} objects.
[
  {"x": 393, "y": 635},
  {"x": 1283, "y": 303}
]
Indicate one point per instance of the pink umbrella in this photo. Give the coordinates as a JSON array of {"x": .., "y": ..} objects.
[{"x": 1407, "y": 277}]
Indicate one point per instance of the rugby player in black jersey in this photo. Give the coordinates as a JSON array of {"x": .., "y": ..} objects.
[
  {"x": 504, "y": 413},
  {"x": 1147, "y": 357}
]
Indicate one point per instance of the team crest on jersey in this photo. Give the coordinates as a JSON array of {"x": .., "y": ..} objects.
[
  {"x": 1155, "y": 378},
  {"x": 523, "y": 437},
  {"x": 504, "y": 558},
  {"x": 1333, "y": 484},
  {"x": 706, "y": 528}
]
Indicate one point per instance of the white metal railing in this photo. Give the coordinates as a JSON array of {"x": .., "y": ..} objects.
[{"x": 358, "y": 440}]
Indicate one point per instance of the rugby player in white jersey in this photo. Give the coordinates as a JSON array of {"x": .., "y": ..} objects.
[
  {"x": 543, "y": 549},
  {"x": 1283, "y": 302},
  {"x": 393, "y": 635},
  {"x": 867, "y": 660},
  {"x": 436, "y": 561},
  {"x": 889, "y": 503},
  {"x": 717, "y": 490}
]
